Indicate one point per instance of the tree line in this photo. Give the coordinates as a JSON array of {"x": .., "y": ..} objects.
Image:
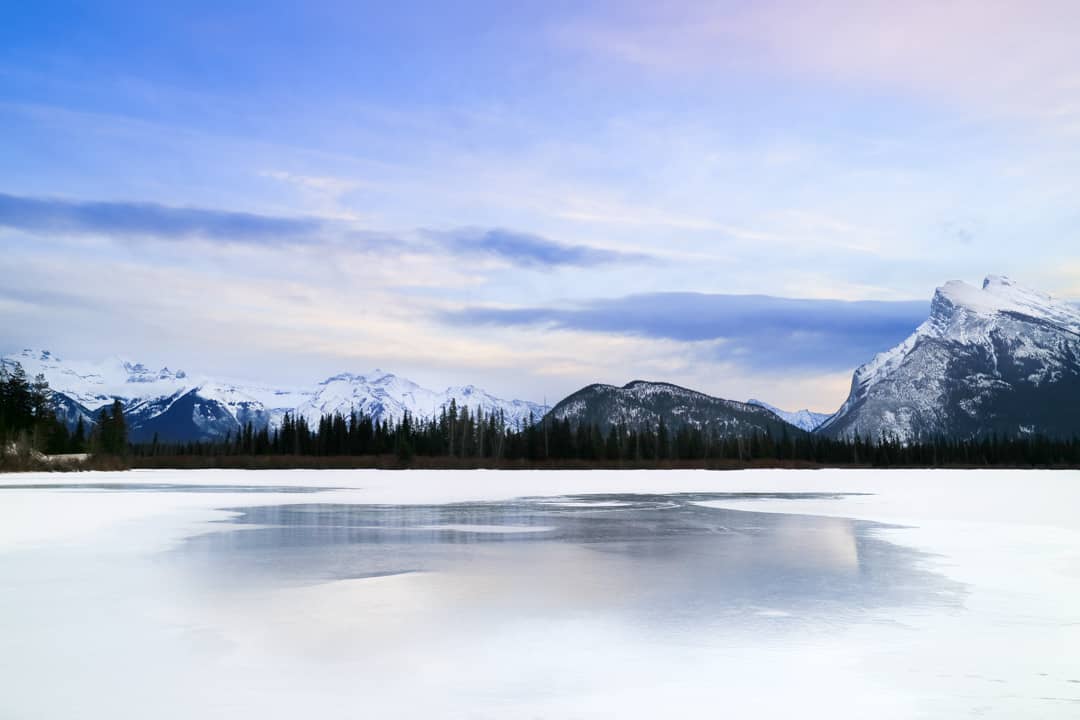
[{"x": 461, "y": 434}]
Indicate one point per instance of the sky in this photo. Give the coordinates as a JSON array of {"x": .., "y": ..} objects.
[{"x": 749, "y": 199}]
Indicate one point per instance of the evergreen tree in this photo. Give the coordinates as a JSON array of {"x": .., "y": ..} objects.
[
  {"x": 78, "y": 440},
  {"x": 112, "y": 430},
  {"x": 120, "y": 433},
  {"x": 663, "y": 445}
]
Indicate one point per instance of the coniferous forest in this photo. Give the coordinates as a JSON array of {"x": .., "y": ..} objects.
[
  {"x": 463, "y": 437},
  {"x": 30, "y": 427},
  {"x": 27, "y": 419},
  {"x": 460, "y": 437}
]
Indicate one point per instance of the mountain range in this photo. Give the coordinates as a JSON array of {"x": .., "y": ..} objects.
[
  {"x": 996, "y": 359},
  {"x": 179, "y": 407}
]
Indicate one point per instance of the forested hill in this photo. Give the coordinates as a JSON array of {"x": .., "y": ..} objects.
[{"x": 639, "y": 405}]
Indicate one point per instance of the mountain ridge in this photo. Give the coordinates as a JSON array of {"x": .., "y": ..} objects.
[
  {"x": 996, "y": 359},
  {"x": 1001, "y": 359},
  {"x": 180, "y": 407},
  {"x": 643, "y": 403}
]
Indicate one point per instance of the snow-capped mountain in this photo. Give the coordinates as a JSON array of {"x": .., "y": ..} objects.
[
  {"x": 640, "y": 403},
  {"x": 386, "y": 396},
  {"x": 179, "y": 407},
  {"x": 998, "y": 359},
  {"x": 93, "y": 385},
  {"x": 804, "y": 419}
]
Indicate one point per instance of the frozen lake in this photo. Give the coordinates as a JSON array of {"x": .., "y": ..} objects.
[{"x": 342, "y": 594}]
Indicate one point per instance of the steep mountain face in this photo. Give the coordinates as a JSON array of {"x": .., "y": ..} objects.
[
  {"x": 71, "y": 412},
  {"x": 184, "y": 415},
  {"x": 178, "y": 407},
  {"x": 1001, "y": 359},
  {"x": 803, "y": 419},
  {"x": 640, "y": 404}
]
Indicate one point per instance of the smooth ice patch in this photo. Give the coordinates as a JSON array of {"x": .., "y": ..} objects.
[{"x": 496, "y": 529}]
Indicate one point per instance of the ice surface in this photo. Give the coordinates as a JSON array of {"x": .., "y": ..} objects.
[
  {"x": 179, "y": 594},
  {"x": 496, "y": 529}
]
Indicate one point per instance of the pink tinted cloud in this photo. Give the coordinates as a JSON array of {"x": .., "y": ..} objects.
[{"x": 1001, "y": 54}]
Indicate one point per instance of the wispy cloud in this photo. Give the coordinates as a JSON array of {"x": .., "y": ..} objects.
[
  {"x": 759, "y": 331},
  {"x": 137, "y": 219},
  {"x": 528, "y": 250},
  {"x": 125, "y": 219}
]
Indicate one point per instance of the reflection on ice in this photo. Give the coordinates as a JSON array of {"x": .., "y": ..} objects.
[{"x": 665, "y": 558}]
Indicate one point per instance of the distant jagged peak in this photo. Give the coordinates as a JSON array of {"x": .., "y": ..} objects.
[
  {"x": 377, "y": 376},
  {"x": 805, "y": 419},
  {"x": 166, "y": 374},
  {"x": 35, "y": 354},
  {"x": 345, "y": 377},
  {"x": 32, "y": 358},
  {"x": 469, "y": 394},
  {"x": 138, "y": 372}
]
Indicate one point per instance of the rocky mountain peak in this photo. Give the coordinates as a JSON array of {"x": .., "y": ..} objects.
[
  {"x": 1001, "y": 358},
  {"x": 957, "y": 301}
]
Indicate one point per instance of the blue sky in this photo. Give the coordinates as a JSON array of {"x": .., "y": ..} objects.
[{"x": 528, "y": 196}]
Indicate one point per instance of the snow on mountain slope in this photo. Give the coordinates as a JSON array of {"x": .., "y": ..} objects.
[
  {"x": 804, "y": 419},
  {"x": 997, "y": 359},
  {"x": 385, "y": 396},
  {"x": 517, "y": 413},
  {"x": 176, "y": 406},
  {"x": 94, "y": 385}
]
